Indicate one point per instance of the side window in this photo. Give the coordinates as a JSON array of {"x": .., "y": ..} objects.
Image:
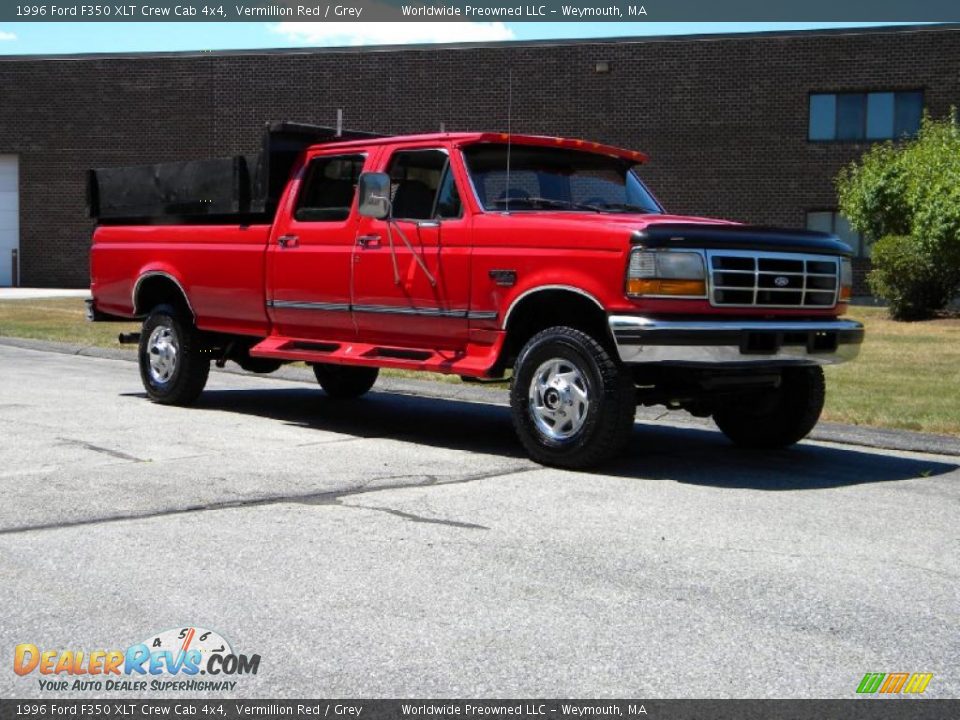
[
  {"x": 328, "y": 189},
  {"x": 415, "y": 177}
]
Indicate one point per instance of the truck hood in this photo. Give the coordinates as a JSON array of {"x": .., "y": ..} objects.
[
  {"x": 634, "y": 221},
  {"x": 682, "y": 231},
  {"x": 730, "y": 236}
]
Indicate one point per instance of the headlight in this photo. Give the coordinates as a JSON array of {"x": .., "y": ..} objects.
[
  {"x": 671, "y": 274},
  {"x": 846, "y": 280}
]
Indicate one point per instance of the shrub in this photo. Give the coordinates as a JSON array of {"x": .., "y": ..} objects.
[
  {"x": 873, "y": 194},
  {"x": 908, "y": 194},
  {"x": 910, "y": 277}
]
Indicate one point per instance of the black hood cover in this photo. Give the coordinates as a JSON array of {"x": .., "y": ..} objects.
[{"x": 739, "y": 237}]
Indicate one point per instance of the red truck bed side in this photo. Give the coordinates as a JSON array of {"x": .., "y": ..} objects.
[{"x": 219, "y": 267}]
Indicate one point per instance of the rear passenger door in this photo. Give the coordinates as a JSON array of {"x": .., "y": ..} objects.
[
  {"x": 415, "y": 293},
  {"x": 310, "y": 254}
]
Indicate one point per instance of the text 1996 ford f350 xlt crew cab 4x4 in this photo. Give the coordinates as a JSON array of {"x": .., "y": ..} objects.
[{"x": 477, "y": 254}]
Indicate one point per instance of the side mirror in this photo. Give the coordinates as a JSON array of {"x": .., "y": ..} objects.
[{"x": 374, "y": 191}]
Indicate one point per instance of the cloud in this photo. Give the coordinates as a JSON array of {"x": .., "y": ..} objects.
[
  {"x": 390, "y": 33},
  {"x": 7, "y": 35}
]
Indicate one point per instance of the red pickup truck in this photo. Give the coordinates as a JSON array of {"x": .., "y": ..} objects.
[{"x": 541, "y": 259}]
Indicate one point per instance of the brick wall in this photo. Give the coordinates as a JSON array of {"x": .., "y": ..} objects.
[{"x": 723, "y": 118}]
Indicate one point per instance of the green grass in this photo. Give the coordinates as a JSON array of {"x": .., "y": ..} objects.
[
  {"x": 907, "y": 375},
  {"x": 59, "y": 320}
]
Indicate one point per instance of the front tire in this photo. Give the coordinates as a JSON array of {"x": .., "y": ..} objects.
[
  {"x": 573, "y": 406},
  {"x": 173, "y": 366},
  {"x": 776, "y": 418},
  {"x": 345, "y": 382}
]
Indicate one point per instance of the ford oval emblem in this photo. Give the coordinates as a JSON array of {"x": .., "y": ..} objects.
[{"x": 781, "y": 281}]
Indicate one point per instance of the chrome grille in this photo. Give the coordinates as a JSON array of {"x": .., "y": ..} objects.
[{"x": 757, "y": 279}]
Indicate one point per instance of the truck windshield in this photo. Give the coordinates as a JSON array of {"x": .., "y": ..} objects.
[{"x": 547, "y": 178}]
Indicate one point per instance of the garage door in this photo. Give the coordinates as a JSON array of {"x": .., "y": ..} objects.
[{"x": 9, "y": 217}]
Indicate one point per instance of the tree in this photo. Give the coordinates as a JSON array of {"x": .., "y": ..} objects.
[{"x": 907, "y": 194}]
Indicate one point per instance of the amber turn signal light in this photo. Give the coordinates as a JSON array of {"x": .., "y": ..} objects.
[
  {"x": 846, "y": 280},
  {"x": 654, "y": 286}
]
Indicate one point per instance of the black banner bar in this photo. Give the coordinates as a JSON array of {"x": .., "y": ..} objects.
[
  {"x": 128, "y": 709},
  {"x": 479, "y": 11}
]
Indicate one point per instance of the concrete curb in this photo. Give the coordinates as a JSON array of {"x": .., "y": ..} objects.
[{"x": 495, "y": 394}]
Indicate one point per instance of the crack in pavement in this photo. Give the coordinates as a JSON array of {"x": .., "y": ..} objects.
[
  {"x": 416, "y": 518},
  {"x": 331, "y": 497},
  {"x": 98, "y": 449}
]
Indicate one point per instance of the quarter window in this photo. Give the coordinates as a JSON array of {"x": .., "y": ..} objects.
[
  {"x": 329, "y": 187},
  {"x": 853, "y": 117}
]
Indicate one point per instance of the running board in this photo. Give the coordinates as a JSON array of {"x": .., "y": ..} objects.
[{"x": 473, "y": 364}]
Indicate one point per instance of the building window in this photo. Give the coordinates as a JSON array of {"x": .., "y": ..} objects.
[
  {"x": 830, "y": 221},
  {"x": 854, "y": 117}
]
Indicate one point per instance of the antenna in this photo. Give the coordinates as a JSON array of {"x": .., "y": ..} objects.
[{"x": 509, "y": 135}]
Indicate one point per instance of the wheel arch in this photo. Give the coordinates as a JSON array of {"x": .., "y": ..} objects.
[
  {"x": 546, "y": 306},
  {"x": 155, "y": 287}
]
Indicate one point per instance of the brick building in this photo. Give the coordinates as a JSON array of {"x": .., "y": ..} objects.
[{"x": 752, "y": 127}]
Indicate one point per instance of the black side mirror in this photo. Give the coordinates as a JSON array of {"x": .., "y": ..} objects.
[{"x": 374, "y": 189}]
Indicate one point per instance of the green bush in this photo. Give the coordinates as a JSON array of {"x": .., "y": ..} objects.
[
  {"x": 908, "y": 194},
  {"x": 873, "y": 194},
  {"x": 910, "y": 277}
]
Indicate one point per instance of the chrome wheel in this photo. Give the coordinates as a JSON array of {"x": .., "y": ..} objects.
[
  {"x": 162, "y": 351},
  {"x": 559, "y": 399}
]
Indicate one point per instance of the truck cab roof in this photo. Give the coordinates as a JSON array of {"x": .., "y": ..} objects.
[{"x": 469, "y": 138}]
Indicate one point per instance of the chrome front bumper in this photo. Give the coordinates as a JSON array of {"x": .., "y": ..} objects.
[{"x": 642, "y": 339}]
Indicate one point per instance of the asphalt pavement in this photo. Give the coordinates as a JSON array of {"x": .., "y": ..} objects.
[{"x": 401, "y": 545}]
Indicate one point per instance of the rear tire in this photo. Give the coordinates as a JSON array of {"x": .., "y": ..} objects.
[
  {"x": 573, "y": 406},
  {"x": 345, "y": 382},
  {"x": 173, "y": 366},
  {"x": 776, "y": 418}
]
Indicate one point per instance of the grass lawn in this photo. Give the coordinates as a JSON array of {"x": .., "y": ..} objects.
[
  {"x": 907, "y": 375},
  {"x": 59, "y": 320}
]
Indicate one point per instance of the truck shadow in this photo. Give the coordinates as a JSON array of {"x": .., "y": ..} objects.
[{"x": 692, "y": 455}]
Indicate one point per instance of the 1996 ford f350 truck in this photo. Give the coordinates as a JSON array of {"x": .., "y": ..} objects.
[{"x": 475, "y": 254}]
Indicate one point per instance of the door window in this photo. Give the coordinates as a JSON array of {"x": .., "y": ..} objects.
[
  {"x": 422, "y": 186},
  {"x": 329, "y": 187}
]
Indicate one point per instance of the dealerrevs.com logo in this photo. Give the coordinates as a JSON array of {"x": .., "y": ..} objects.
[
  {"x": 173, "y": 660},
  {"x": 894, "y": 683}
]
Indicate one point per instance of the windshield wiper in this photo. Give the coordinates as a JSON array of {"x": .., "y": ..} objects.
[
  {"x": 570, "y": 205},
  {"x": 547, "y": 202},
  {"x": 620, "y": 207}
]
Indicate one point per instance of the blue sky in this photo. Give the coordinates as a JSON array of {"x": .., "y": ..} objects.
[{"x": 46, "y": 38}]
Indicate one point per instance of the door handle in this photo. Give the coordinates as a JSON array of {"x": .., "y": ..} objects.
[
  {"x": 288, "y": 241},
  {"x": 368, "y": 241}
]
